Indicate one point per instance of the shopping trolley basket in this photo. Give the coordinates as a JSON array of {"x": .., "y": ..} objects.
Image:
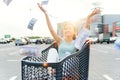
[{"x": 73, "y": 67}]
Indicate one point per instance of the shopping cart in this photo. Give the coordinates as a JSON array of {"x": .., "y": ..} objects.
[{"x": 73, "y": 67}]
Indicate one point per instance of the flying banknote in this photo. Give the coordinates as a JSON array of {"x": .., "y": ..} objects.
[{"x": 31, "y": 23}]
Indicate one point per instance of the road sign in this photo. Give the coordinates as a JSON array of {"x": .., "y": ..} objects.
[{"x": 7, "y": 36}]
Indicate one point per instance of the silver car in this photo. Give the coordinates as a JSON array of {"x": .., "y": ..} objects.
[{"x": 20, "y": 42}]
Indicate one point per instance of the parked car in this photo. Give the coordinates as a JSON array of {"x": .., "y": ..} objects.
[
  {"x": 3, "y": 41},
  {"x": 112, "y": 39},
  {"x": 48, "y": 41},
  {"x": 32, "y": 41},
  {"x": 20, "y": 42},
  {"x": 104, "y": 38},
  {"x": 39, "y": 41},
  {"x": 93, "y": 39},
  {"x": 27, "y": 39}
]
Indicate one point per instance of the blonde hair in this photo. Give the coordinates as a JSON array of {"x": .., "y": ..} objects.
[{"x": 74, "y": 27}]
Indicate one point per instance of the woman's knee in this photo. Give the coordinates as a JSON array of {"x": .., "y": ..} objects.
[{"x": 52, "y": 55}]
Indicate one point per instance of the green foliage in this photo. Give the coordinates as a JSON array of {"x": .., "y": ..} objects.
[{"x": 34, "y": 37}]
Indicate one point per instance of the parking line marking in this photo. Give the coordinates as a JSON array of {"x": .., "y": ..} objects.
[
  {"x": 13, "y": 53},
  {"x": 13, "y": 60},
  {"x": 13, "y": 78},
  {"x": 107, "y": 77}
]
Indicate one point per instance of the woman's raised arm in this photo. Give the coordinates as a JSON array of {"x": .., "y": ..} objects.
[
  {"x": 54, "y": 34},
  {"x": 94, "y": 12}
]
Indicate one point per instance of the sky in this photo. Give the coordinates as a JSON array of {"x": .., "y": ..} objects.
[{"x": 15, "y": 17}]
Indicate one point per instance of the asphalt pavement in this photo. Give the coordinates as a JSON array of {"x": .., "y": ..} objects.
[{"x": 104, "y": 62}]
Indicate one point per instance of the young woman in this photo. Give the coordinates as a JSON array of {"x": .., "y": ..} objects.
[{"x": 66, "y": 44}]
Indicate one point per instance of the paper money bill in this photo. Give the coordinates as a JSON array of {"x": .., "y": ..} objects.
[
  {"x": 7, "y": 2},
  {"x": 44, "y": 2},
  {"x": 31, "y": 23}
]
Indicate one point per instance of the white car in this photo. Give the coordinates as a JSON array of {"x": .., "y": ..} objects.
[
  {"x": 93, "y": 40},
  {"x": 112, "y": 39},
  {"x": 3, "y": 41},
  {"x": 33, "y": 40}
]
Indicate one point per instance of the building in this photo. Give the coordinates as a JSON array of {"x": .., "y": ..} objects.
[
  {"x": 108, "y": 23},
  {"x": 108, "y": 19}
]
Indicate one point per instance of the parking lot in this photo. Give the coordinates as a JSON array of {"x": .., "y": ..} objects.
[{"x": 104, "y": 62}]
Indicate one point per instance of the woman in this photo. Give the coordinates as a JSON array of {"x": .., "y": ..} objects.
[{"x": 66, "y": 44}]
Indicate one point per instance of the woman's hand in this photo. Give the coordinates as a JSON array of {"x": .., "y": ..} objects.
[
  {"x": 42, "y": 9},
  {"x": 54, "y": 34},
  {"x": 94, "y": 12}
]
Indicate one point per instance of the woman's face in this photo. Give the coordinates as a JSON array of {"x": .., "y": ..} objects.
[{"x": 68, "y": 30}]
